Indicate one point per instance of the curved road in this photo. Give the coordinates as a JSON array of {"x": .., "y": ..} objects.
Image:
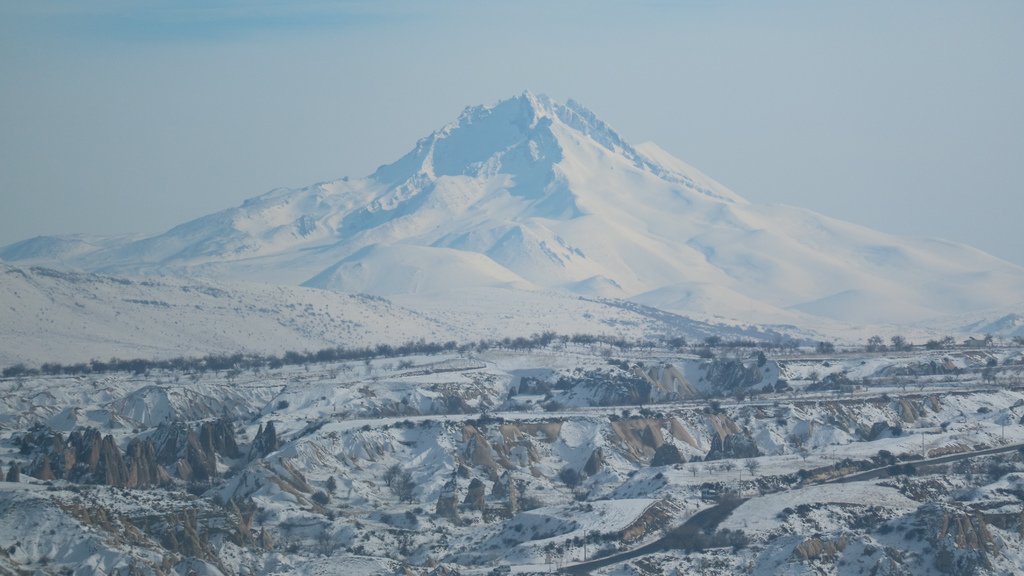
[
  {"x": 702, "y": 521},
  {"x": 708, "y": 519}
]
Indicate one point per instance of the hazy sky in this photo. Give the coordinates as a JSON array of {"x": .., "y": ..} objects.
[{"x": 135, "y": 116}]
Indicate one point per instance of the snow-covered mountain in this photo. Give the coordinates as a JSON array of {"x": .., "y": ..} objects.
[{"x": 531, "y": 193}]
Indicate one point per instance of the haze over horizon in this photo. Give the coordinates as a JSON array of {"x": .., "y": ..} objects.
[{"x": 904, "y": 118}]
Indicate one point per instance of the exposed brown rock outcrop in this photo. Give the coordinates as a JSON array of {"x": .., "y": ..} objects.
[
  {"x": 909, "y": 411},
  {"x": 143, "y": 468},
  {"x": 962, "y": 540},
  {"x": 478, "y": 450},
  {"x": 193, "y": 453},
  {"x": 89, "y": 457},
  {"x": 679, "y": 432},
  {"x": 640, "y": 436},
  {"x": 219, "y": 436},
  {"x": 178, "y": 446},
  {"x": 818, "y": 548},
  {"x": 447, "y": 500},
  {"x": 184, "y": 537},
  {"x": 86, "y": 457},
  {"x": 476, "y": 495},
  {"x": 734, "y": 446},
  {"x": 505, "y": 488}
]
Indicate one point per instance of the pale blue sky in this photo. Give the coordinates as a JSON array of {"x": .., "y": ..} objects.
[{"x": 135, "y": 116}]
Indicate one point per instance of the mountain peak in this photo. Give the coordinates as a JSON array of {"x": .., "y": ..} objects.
[
  {"x": 526, "y": 108},
  {"x": 516, "y": 126},
  {"x": 525, "y": 136},
  {"x": 531, "y": 107}
]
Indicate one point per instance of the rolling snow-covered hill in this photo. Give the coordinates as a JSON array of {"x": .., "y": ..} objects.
[
  {"x": 53, "y": 316},
  {"x": 536, "y": 194}
]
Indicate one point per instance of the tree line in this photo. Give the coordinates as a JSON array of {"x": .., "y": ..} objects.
[{"x": 239, "y": 361}]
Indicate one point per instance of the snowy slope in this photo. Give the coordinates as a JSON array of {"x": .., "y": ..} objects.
[
  {"x": 53, "y": 316},
  {"x": 72, "y": 317},
  {"x": 414, "y": 270},
  {"x": 58, "y": 248},
  {"x": 531, "y": 192}
]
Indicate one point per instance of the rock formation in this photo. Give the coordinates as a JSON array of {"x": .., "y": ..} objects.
[
  {"x": 734, "y": 446},
  {"x": 667, "y": 454},
  {"x": 447, "y": 500},
  {"x": 14, "y": 473},
  {"x": 594, "y": 463},
  {"x": 476, "y": 495},
  {"x": 265, "y": 441}
]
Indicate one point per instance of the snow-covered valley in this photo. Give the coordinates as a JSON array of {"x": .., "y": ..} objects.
[{"x": 471, "y": 462}]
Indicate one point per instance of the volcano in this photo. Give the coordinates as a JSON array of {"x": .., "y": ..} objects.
[{"x": 534, "y": 194}]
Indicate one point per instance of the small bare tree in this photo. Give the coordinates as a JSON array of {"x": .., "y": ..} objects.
[
  {"x": 400, "y": 481},
  {"x": 752, "y": 465},
  {"x": 391, "y": 474},
  {"x": 405, "y": 487}
]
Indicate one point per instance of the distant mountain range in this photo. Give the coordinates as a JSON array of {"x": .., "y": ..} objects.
[{"x": 533, "y": 194}]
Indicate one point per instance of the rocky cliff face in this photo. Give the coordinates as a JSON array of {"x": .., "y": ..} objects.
[
  {"x": 184, "y": 535},
  {"x": 732, "y": 375},
  {"x": 963, "y": 540},
  {"x": 143, "y": 468},
  {"x": 218, "y": 436},
  {"x": 99, "y": 460},
  {"x": 192, "y": 453}
]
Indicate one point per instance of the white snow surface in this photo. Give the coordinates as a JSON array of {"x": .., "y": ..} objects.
[
  {"x": 54, "y": 316},
  {"x": 354, "y": 420},
  {"x": 759, "y": 515},
  {"x": 531, "y": 192}
]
